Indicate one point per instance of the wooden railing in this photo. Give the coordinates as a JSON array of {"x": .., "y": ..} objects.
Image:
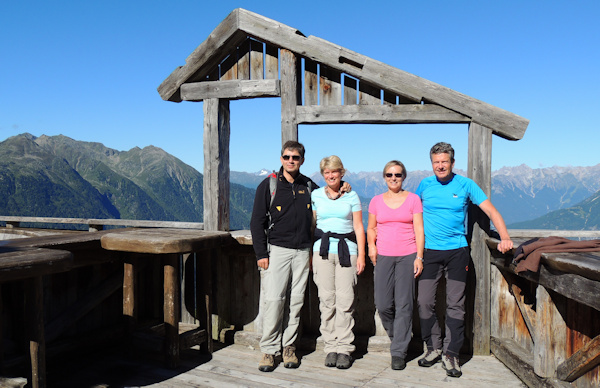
[{"x": 96, "y": 224}]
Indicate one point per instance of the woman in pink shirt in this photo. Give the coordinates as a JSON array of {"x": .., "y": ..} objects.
[{"x": 396, "y": 241}]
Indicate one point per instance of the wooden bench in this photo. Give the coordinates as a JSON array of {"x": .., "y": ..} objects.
[
  {"x": 169, "y": 244},
  {"x": 30, "y": 265}
]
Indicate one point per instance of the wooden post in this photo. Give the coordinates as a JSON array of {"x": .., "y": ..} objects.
[
  {"x": 550, "y": 340},
  {"x": 289, "y": 96},
  {"x": 480, "y": 170},
  {"x": 171, "y": 308},
  {"x": 34, "y": 307},
  {"x": 216, "y": 164}
]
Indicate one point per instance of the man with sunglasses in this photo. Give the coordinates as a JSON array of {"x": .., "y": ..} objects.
[
  {"x": 445, "y": 197},
  {"x": 281, "y": 230}
]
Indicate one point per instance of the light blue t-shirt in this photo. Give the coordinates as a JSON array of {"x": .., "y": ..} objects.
[
  {"x": 335, "y": 216},
  {"x": 445, "y": 207}
]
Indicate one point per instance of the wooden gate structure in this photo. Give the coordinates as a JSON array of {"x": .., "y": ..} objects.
[{"x": 250, "y": 56}]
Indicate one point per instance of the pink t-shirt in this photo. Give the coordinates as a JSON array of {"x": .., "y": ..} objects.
[{"x": 395, "y": 233}]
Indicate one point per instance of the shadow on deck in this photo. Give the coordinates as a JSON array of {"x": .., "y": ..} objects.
[{"x": 235, "y": 365}]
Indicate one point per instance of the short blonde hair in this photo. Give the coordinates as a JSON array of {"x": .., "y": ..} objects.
[
  {"x": 393, "y": 163},
  {"x": 332, "y": 162}
]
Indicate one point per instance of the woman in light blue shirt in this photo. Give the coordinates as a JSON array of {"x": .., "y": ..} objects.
[{"x": 338, "y": 258}]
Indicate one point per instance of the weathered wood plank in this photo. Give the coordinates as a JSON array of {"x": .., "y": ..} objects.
[
  {"x": 229, "y": 67},
  {"x": 586, "y": 264},
  {"x": 311, "y": 83},
  {"x": 519, "y": 361},
  {"x": 203, "y": 58},
  {"x": 330, "y": 86},
  {"x": 233, "y": 89},
  {"x": 271, "y": 62},
  {"x": 171, "y": 308},
  {"x": 216, "y": 164},
  {"x": 289, "y": 96},
  {"x": 95, "y": 221},
  {"x": 527, "y": 312},
  {"x": 243, "y": 66},
  {"x": 582, "y": 361},
  {"x": 34, "y": 289},
  {"x": 369, "y": 94},
  {"x": 550, "y": 339},
  {"x": 163, "y": 241},
  {"x": 480, "y": 170},
  {"x": 257, "y": 68},
  {"x": 350, "y": 90},
  {"x": 377, "y": 114},
  {"x": 22, "y": 263}
]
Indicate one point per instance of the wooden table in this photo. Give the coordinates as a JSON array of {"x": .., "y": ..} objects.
[
  {"x": 30, "y": 265},
  {"x": 169, "y": 243}
]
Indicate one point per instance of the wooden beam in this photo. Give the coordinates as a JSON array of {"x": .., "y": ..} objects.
[
  {"x": 528, "y": 314},
  {"x": 377, "y": 114},
  {"x": 502, "y": 122},
  {"x": 232, "y": 89},
  {"x": 480, "y": 170},
  {"x": 216, "y": 164},
  {"x": 200, "y": 62},
  {"x": 517, "y": 359},
  {"x": 550, "y": 340},
  {"x": 289, "y": 96},
  {"x": 580, "y": 362}
]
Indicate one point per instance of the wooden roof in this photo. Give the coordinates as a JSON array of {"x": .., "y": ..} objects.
[{"x": 242, "y": 25}]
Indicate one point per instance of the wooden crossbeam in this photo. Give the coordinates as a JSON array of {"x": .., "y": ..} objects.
[
  {"x": 527, "y": 312},
  {"x": 580, "y": 362},
  {"x": 231, "y": 89},
  {"x": 377, "y": 114}
]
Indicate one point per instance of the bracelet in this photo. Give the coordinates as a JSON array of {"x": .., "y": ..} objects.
[{"x": 419, "y": 258}]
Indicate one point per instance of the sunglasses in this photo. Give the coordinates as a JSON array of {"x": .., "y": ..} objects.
[
  {"x": 295, "y": 158},
  {"x": 397, "y": 175}
]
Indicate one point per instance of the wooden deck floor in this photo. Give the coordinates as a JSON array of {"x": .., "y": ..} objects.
[{"x": 236, "y": 366}]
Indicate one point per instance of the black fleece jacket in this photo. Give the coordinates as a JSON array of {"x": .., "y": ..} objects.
[{"x": 291, "y": 215}]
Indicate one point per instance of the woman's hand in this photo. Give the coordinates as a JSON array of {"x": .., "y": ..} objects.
[
  {"x": 418, "y": 267},
  {"x": 373, "y": 254},
  {"x": 360, "y": 264}
]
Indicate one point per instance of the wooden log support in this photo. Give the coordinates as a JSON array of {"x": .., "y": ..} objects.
[
  {"x": 35, "y": 321},
  {"x": 527, "y": 312},
  {"x": 289, "y": 96},
  {"x": 550, "y": 338},
  {"x": 216, "y": 164},
  {"x": 480, "y": 170},
  {"x": 581, "y": 362},
  {"x": 171, "y": 308},
  {"x": 233, "y": 89}
]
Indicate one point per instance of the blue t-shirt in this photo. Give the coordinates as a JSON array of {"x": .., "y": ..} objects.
[
  {"x": 445, "y": 207},
  {"x": 335, "y": 216}
]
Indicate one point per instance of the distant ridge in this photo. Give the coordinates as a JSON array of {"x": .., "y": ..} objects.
[{"x": 56, "y": 176}]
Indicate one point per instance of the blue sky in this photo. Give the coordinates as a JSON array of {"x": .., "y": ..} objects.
[{"x": 89, "y": 70}]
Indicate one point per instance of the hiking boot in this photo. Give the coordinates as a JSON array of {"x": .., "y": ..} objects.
[
  {"x": 430, "y": 358},
  {"x": 331, "y": 359},
  {"x": 267, "y": 363},
  {"x": 398, "y": 363},
  {"x": 451, "y": 365},
  {"x": 343, "y": 361},
  {"x": 289, "y": 357}
]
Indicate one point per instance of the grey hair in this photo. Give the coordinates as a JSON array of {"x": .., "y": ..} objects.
[{"x": 442, "y": 148}]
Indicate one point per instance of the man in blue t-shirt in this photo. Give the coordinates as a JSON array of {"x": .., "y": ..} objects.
[{"x": 446, "y": 198}]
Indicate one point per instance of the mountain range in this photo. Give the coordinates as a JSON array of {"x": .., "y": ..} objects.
[
  {"x": 521, "y": 193},
  {"x": 56, "y": 176}
]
